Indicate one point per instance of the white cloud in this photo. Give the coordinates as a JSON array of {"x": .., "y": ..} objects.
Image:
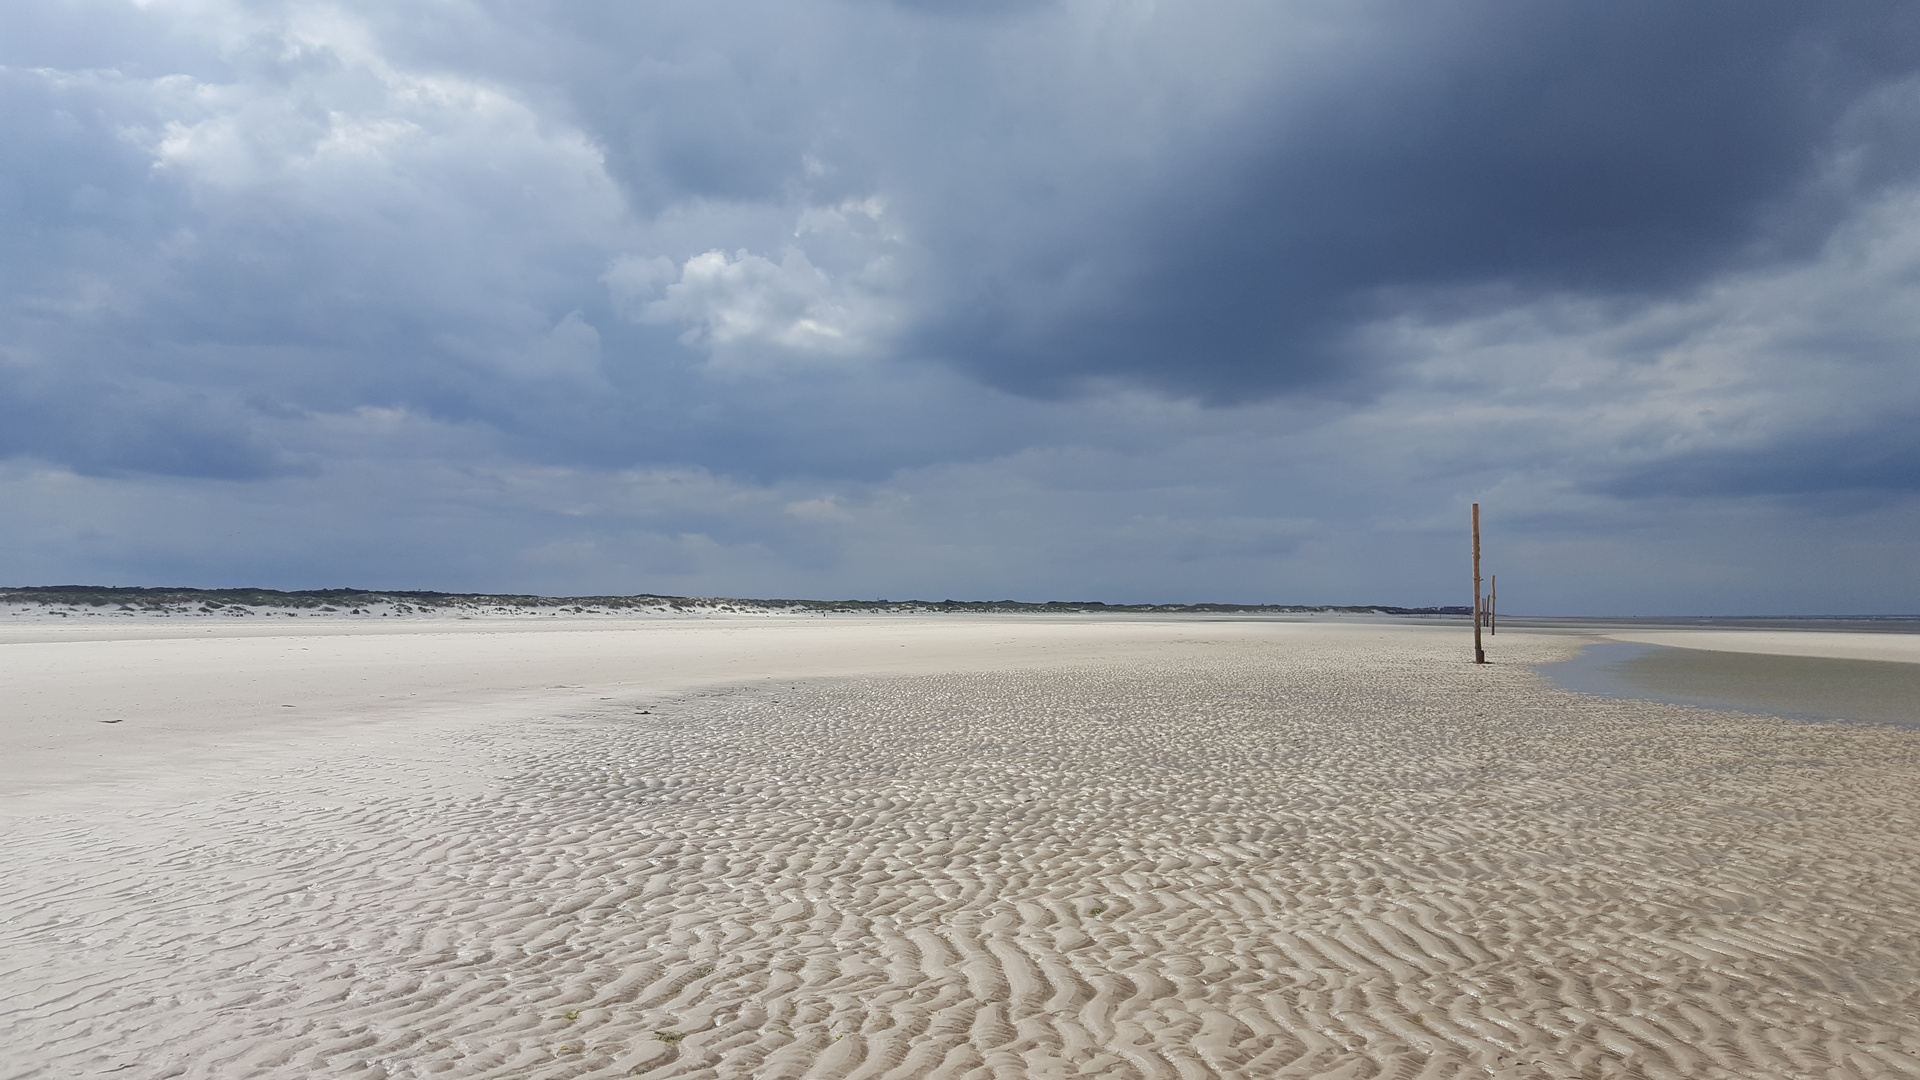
[
  {"x": 312, "y": 104},
  {"x": 754, "y": 315}
]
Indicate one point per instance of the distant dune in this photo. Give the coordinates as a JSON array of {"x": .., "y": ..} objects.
[{"x": 112, "y": 600}]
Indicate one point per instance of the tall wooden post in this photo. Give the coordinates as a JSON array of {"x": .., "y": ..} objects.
[
  {"x": 1479, "y": 654},
  {"x": 1493, "y": 605}
]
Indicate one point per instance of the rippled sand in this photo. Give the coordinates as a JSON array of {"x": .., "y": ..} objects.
[{"x": 1262, "y": 852}]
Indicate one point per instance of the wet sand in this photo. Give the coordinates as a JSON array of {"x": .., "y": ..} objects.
[{"x": 1156, "y": 849}]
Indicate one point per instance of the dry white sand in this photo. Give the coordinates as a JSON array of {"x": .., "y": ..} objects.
[
  {"x": 931, "y": 847},
  {"x": 190, "y": 703}
]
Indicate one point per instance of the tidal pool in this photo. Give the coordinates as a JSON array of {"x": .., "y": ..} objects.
[{"x": 1798, "y": 687}]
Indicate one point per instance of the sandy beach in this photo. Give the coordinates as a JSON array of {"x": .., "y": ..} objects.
[{"x": 930, "y": 847}]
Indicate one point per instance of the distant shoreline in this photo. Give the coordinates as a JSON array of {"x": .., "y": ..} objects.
[{"x": 105, "y": 599}]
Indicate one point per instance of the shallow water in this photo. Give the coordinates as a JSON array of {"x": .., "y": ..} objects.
[{"x": 1797, "y": 687}]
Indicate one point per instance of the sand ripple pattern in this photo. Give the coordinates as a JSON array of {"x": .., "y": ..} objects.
[{"x": 1347, "y": 861}]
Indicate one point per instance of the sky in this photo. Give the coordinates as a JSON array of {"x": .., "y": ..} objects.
[{"x": 1228, "y": 300}]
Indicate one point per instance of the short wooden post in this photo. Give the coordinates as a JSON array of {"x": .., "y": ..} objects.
[
  {"x": 1493, "y": 604},
  {"x": 1479, "y": 654}
]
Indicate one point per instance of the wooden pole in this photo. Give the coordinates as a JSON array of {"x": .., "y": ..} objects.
[
  {"x": 1493, "y": 605},
  {"x": 1479, "y": 654}
]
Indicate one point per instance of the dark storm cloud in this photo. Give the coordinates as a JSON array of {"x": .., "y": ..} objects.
[
  {"x": 1605, "y": 147},
  {"x": 1614, "y": 148}
]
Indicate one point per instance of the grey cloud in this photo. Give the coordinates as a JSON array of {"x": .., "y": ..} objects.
[
  {"x": 1015, "y": 298},
  {"x": 1630, "y": 149},
  {"x": 1884, "y": 461},
  {"x": 135, "y": 427}
]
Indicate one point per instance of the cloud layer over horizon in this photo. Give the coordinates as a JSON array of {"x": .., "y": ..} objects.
[{"x": 1045, "y": 300}]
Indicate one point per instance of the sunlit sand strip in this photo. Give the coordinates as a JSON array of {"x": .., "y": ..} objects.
[
  {"x": 1335, "y": 853},
  {"x": 1897, "y": 647}
]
